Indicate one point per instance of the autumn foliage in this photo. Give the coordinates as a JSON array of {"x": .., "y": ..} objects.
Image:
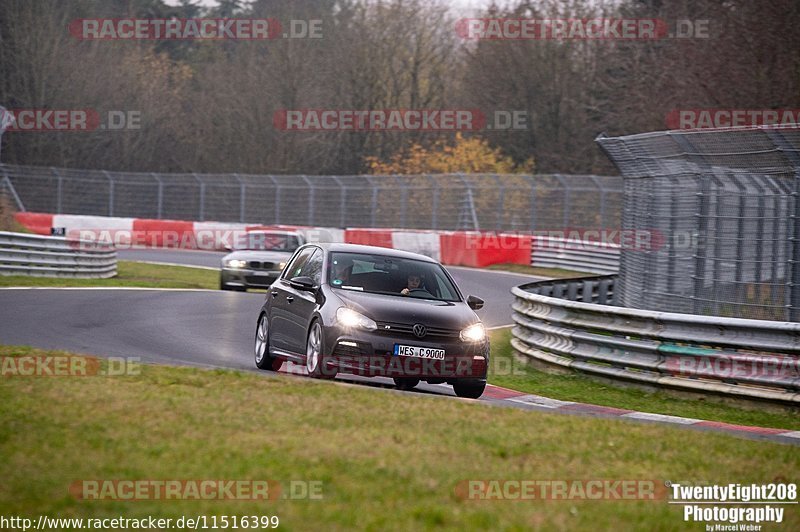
[{"x": 472, "y": 155}]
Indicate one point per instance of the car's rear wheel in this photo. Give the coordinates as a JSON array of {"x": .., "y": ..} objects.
[
  {"x": 315, "y": 354},
  {"x": 470, "y": 390},
  {"x": 405, "y": 383},
  {"x": 264, "y": 360}
]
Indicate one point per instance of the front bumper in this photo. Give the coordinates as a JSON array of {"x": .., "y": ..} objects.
[
  {"x": 248, "y": 277},
  {"x": 371, "y": 354}
]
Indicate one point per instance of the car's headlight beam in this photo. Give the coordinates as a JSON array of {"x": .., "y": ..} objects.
[
  {"x": 235, "y": 263},
  {"x": 350, "y": 319},
  {"x": 473, "y": 333}
]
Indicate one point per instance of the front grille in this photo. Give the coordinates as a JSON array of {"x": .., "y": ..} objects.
[
  {"x": 408, "y": 330},
  {"x": 259, "y": 265},
  {"x": 260, "y": 280}
]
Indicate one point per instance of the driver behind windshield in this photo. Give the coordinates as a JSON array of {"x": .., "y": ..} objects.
[{"x": 413, "y": 282}]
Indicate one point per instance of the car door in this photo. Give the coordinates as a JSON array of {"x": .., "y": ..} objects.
[
  {"x": 303, "y": 304},
  {"x": 283, "y": 296}
]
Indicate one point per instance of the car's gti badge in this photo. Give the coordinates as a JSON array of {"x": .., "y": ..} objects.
[{"x": 420, "y": 330}]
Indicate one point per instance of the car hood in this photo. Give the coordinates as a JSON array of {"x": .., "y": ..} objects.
[
  {"x": 409, "y": 310},
  {"x": 273, "y": 256}
]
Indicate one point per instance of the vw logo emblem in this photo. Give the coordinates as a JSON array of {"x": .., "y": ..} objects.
[{"x": 420, "y": 330}]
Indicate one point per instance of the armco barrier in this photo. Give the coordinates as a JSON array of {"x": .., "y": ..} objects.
[
  {"x": 47, "y": 256},
  {"x": 577, "y": 255},
  {"x": 571, "y": 323}
]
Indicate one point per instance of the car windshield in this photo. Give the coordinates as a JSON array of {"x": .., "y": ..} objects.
[
  {"x": 392, "y": 276},
  {"x": 258, "y": 241}
]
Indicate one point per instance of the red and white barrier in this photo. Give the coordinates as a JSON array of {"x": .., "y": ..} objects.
[{"x": 455, "y": 248}]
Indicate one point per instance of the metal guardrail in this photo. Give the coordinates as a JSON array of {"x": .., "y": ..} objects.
[
  {"x": 47, "y": 256},
  {"x": 572, "y": 323},
  {"x": 568, "y": 254}
]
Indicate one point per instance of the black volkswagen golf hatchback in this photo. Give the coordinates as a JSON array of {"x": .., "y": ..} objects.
[{"x": 372, "y": 311}]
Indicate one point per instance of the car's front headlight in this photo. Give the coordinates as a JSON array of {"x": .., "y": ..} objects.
[
  {"x": 281, "y": 265},
  {"x": 235, "y": 263},
  {"x": 350, "y": 319},
  {"x": 473, "y": 333}
]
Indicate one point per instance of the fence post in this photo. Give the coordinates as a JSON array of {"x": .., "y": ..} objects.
[
  {"x": 567, "y": 197},
  {"x": 403, "y": 203},
  {"x": 501, "y": 206},
  {"x": 434, "y": 202},
  {"x": 202, "y": 214},
  {"x": 277, "y": 199},
  {"x": 160, "y": 201},
  {"x": 534, "y": 191},
  {"x": 242, "y": 192},
  {"x": 110, "y": 193},
  {"x": 59, "y": 189},
  {"x": 602, "y": 190},
  {"x": 342, "y": 200},
  {"x": 311, "y": 191},
  {"x": 374, "y": 201}
]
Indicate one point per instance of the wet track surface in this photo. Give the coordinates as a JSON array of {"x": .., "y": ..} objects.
[
  {"x": 215, "y": 329},
  {"x": 183, "y": 327}
]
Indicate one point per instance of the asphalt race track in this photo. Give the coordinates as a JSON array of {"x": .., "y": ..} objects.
[
  {"x": 215, "y": 329},
  {"x": 206, "y": 328},
  {"x": 493, "y": 287}
]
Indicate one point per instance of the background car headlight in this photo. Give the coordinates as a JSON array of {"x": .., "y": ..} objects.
[
  {"x": 350, "y": 318},
  {"x": 473, "y": 333},
  {"x": 281, "y": 265},
  {"x": 235, "y": 263}
]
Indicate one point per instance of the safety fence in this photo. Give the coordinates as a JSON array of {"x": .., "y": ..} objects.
[
  {"x": 486, "y": 202},
  {"x": 48, "y": 256},
  {"x": 573, "y": 323},
  {"x": 727, "y": 199}
]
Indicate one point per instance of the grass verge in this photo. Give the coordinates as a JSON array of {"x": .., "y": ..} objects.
[
  {"x": 510, "y": 373},
  {"x": 130, "y": 274},
  {"x": 384, "y": 460}
]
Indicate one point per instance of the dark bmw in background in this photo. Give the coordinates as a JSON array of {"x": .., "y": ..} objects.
[{"x": 373, "y": 311}]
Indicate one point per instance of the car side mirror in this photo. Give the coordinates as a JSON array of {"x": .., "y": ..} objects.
[
  {"x": 475, "y": 303},
  {"x": 303, "y": 283}
]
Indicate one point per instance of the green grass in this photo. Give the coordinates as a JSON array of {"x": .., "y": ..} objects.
[
  {"x": 555, "y": 273},
  {"x": 505, "y": 371},
  {"x": 130, "y": 274},
  {"x": 386, "y": 461}
]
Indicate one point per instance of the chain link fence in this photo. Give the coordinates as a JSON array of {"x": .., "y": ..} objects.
[
  {"x": 723, "y": 206},
  {"x": 444, "y": 202}
]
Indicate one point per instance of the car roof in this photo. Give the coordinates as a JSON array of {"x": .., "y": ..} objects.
[{"x": 373, "y": 250}]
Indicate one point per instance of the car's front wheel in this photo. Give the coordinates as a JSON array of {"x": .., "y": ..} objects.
[
  {"x": 264, "y": 360},
  {"x": 315, "y": 354},
  {"x": 469, "y": 390}
]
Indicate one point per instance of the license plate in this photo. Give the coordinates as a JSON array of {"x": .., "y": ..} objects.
[{"x": 417, "y": 351}]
